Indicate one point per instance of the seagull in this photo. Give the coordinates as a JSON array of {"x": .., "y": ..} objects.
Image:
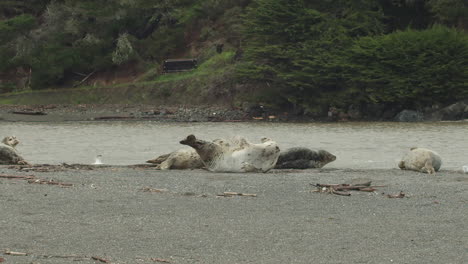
[{"x": 98, "y": 160}]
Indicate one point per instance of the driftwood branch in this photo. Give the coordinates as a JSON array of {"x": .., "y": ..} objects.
[
  {"x": 399, "y": 195},
  {"x": 84, "y": 79},
  {"x": 230, "y": 194},
  {"x": 100, "y": 259},
  {"x": 50, "y": 182},
  {"x": 75, "y": 257},
  {"x": 343, "y": 189},
  {"x": 33, "y": 179},
  {"x": 27, "y": 177}
]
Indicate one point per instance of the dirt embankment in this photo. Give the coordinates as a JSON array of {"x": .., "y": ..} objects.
[
  {"x": 81, "y": 112},
  {"x": 171, "y": 113}
]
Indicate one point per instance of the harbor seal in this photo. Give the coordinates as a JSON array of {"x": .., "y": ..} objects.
[
  {"x": 8, "y": 153},
  {"x": 11, "y": 141},
  {"x": 303, "y": 158},
  {"x": 235, "y": 155},
  {"x": 178, "y": 160},
  {"x": 422, "y": 160}
]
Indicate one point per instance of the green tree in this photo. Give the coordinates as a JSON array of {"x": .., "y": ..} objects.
[
  {"x": 410, "y": 68},
  {"x": 450, "y": 12},
  {"x": 298, "y": 49}
]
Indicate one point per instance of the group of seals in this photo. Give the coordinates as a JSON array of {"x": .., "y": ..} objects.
[
  {"x": 236, "y": 155},
  {"x": 239, "y": 155},
  {"x": 8, "y": 153}
]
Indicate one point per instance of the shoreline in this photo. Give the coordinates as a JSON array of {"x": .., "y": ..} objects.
[{"x": 125, "y": 112}]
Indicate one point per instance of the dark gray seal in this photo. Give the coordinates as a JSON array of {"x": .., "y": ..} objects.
[{"x": 303, "y": 158}]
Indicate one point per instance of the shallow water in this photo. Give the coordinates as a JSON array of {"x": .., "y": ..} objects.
[{"x": 356, "y": 145}]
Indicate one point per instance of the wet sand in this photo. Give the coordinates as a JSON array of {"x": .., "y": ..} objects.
[{"x": 108, "y": 215}]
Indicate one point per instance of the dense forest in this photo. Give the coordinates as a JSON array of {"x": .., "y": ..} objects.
[{"x": 306, "y": 55}]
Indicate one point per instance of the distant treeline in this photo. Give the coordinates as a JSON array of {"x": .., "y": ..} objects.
[{"x": 307, "y": 54}]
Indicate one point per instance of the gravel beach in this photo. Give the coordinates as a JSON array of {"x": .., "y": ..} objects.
[{"x": 141, "y": 215}]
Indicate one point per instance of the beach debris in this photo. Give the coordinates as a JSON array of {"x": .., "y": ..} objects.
[
  {"x": 344, "y": 188},
  {"x": 74, "y": 257},
  {"x": 231, "y": 194},
  {"x": 38, "y": 168},
  {"x": 113, "y": 117},
  {"x": 100, "y": 259},
  {"x": 51, "y": 182},
  {"x": 28, "y": 112},
  {"x": 160, "y": 260},
  {"x": 27, "y": 177},
  {"x": 149, "y": 189},
  {"x": 34, "y": 179},
  {"x": 55, "y": 168},
  {"x": 15, "y": 253},
  {"x": 398, "y": 195}
]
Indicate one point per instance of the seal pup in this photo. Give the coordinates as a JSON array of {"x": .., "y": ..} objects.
[
  {"x": 422, "y": 160},
  {"x": 235, "y": 155},
  {"x": 303, "y": 158},
  {"x": 8, "y": 153}
]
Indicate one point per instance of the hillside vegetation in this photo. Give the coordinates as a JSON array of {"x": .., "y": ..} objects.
[{"x": 306, "y": 56}]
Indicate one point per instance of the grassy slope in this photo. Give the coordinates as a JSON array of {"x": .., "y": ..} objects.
[{"x": 212, "y": 82}]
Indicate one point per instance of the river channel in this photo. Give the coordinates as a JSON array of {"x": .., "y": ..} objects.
[{"x": 356, "y": 145}]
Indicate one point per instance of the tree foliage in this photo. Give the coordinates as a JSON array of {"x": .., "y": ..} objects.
[
  {"x": 410, "y": 68},
  {"x": 292, "y": 45},
  {"x": 308, "y": 54}
]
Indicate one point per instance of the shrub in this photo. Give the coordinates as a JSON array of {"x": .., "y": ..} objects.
[{"x": 410, "y": 68}]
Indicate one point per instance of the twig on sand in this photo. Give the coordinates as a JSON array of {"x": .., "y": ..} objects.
[
  {"x": 343, "y": 189},
  {"x": 398, "y": 195},
  {"x": 74, "y": 257},
  {"x": 51, "y": 182},
  {"x": 33, "y": 179},
  {"x": 27, "y": 177},
  {"x": 149, "y": 189},
  {"x": 15, "y": 253},
  {"x": 230, "y": 194},
  {"x": 100, "y": 259},
  {"x": 160, "y": 260}
]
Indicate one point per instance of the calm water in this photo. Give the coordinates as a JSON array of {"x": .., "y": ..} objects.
[{"x": 356, "y": 145}]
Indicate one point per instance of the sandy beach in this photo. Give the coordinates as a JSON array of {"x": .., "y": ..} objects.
[{"x": 121, "y": 214}]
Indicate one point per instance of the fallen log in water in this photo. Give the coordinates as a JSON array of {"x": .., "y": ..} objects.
[{"x": 113, "y": 117}]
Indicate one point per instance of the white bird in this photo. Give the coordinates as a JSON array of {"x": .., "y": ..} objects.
[{"x": 98, "y": 160}]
